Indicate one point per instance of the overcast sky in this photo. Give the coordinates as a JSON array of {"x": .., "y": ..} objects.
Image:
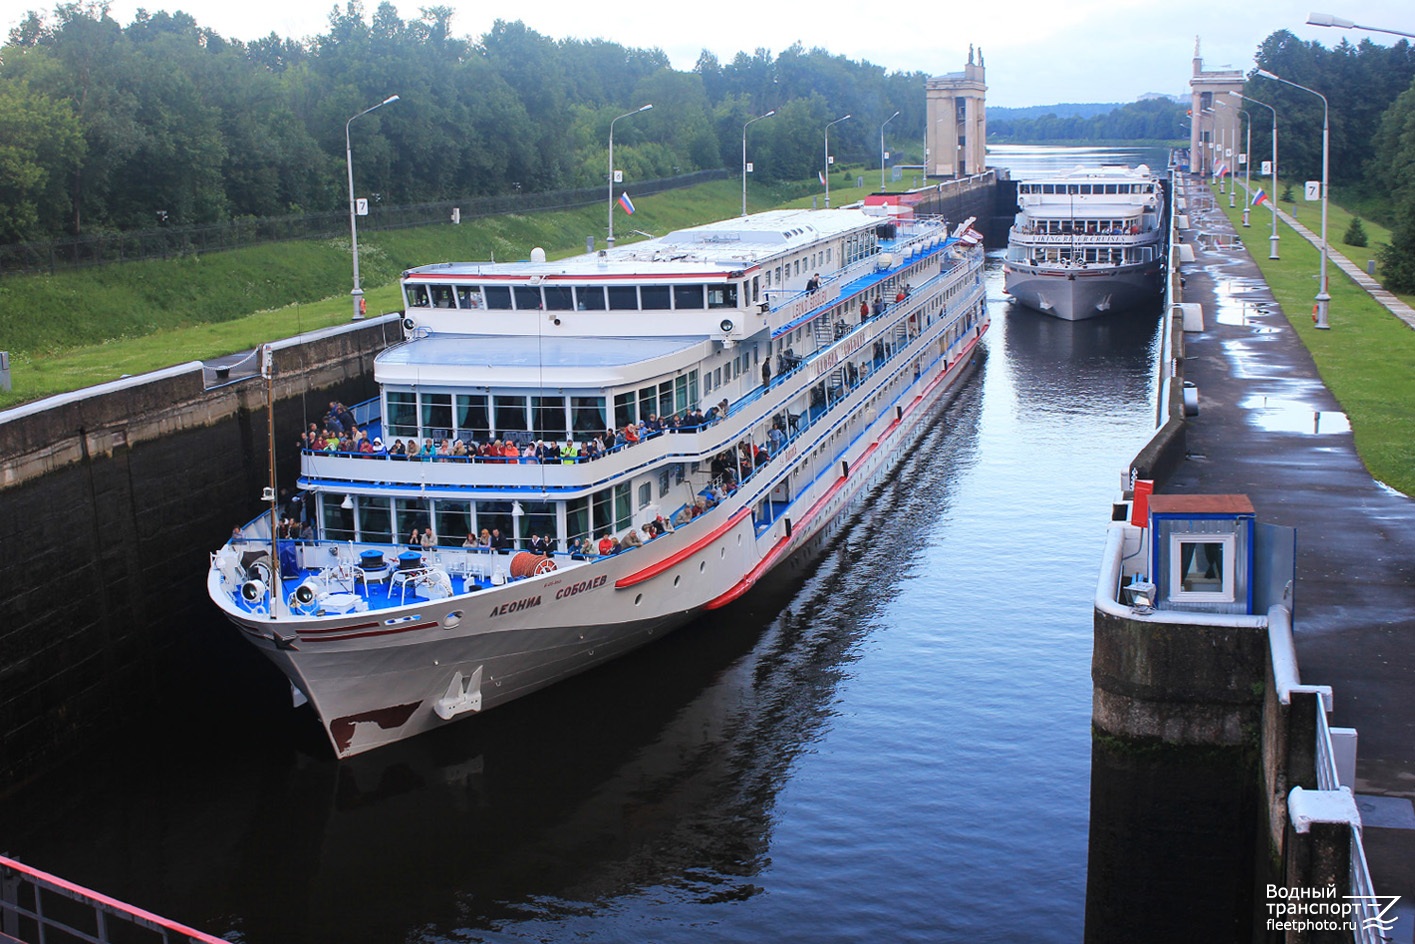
[{"x": 1037, "y": 52}]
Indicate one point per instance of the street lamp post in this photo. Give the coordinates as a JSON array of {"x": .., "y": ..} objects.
[
  {"x": 744, "y": 156},
  {"x": 1233, "y": 188},
  {"x": 358, "y": 292},
  {"x": 1272, "y": 197},
  {"x": 827, "y": 157},
  {"x": 1247, "y": 163},
  {"x": 881, "y": 149},
  {"x": 1323, "y": 299},
  {"x": 610, "y": 241}
]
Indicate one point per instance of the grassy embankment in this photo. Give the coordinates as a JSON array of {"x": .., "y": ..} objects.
[
  {"x": 76, "y": 329},
  {"x": 1367, "y": 359}
]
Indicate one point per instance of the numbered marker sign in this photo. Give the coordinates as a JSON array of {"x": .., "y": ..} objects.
[
  {"x": 1267, "y": 168},
  {"x": 361, "y": 206},
  {"x": 1314, "y": 189}
]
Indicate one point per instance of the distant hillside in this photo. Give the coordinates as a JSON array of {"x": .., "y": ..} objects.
[{"x": 1064, "y": 110}]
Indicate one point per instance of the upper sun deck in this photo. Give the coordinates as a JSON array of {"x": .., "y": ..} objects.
[{"x": 723, "y": 249}]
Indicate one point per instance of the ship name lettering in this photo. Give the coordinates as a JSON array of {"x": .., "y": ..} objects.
[
  {"x": 515, "y": 607},
  {"x": 581, "y": 587}
]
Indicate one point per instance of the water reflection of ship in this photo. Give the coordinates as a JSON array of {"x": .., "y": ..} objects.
[
  {"x": 661, "y": 769},
  {"x": 670, "y": 784},
  {"x": 1091, "y": 360}
]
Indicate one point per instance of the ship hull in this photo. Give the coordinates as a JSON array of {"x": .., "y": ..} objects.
[
  {"x": 1076, "y": 294},
  {"x": 377, "y": 677}
]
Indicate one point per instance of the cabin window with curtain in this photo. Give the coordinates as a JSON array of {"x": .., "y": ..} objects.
[
  {"x": 410, "y": 513},
  {"x": 375, "y": 519},
  {"x": 549, "y": 417},
  {"x": 401, "y": 416},
  {"x": 473, "y": 417},
  {"x": 624, "y": 409},
  {"x": 336, "y": 523},
  {"x": 587, "y": 415},
  {"x": 537, "y": 517},
  {"x": 437, "y": 415},
  {"x": 454, "y": 520},
  {"x": 510, "y": 413}
]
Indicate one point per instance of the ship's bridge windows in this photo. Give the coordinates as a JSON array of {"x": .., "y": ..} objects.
[
  {"x": 590, "y": 298},
  {"x": 442, "y": 297},
  {"x": 498, "y": 297},
  {"x": 527, "y": 297},
  {"x": 688, "y": 296},
  {"x": 722, "y": 296},
  {"x": 468, "y": 297},
  {"x": 654, "y": 297},
  {"x": 559, "y": 298},
  {"x": 418, "y": 297},
  {"x": 624, "y": 297}
]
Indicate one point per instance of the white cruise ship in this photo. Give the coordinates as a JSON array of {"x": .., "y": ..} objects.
[
  {"x": 1087, "y": 242},
  {"x": 601, "y": 447}
]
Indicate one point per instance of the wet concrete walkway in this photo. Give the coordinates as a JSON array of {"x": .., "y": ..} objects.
[{"x": 1269, "y": 428}]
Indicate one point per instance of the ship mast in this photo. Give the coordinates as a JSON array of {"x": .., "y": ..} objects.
[{"x": 267, "y": 371}]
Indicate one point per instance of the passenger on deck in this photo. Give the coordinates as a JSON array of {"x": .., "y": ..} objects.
[
  {"x": 428, "y": 540},
  {"x": 631, "y": 433},
  {"x": 813, "y": 283},
  {"x": 684, "y": 515},
  {"x": 630, "y": 539},
  {"x": 606, "y": 545},
  {"x": 766, "y": 371},
  {"x": 484, "y": 539},
  {"x": 864, "y": 311},
  {"x": 776, "y": 437},
  {"x": 471, "y": 540},
  {"x": 537, "y": 545},
  {"x": 650, "y": 531},
  {"x": 569, "y": 453}
]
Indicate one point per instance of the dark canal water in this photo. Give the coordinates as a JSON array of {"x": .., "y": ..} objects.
[{"x": 894, "y": 745}]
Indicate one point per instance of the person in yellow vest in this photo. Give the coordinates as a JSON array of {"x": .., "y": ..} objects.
[{"x": 570, "y": 452}]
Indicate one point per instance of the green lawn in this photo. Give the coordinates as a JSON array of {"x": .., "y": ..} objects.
[
  {"x": 1367, "y": 359},
  {"x": 77, "y": 329}
]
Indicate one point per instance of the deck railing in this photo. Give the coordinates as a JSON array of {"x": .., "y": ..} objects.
[{"x": 39, "y": 908}]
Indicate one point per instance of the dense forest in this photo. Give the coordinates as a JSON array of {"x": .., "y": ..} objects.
[
  {"x": 1151, "y": 119},
  {"x": 106, "y": 127},
  {"x": 1371, "y": 100}
]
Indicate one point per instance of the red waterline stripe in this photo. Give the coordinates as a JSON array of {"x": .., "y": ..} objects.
[
  {"x": 336, "y": 629},
  {"x": 777, "y": 549},
  {"x": 378, "y": 632},
  {"x": 673, "y": 560}
]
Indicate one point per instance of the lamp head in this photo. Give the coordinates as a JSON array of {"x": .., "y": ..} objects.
[
  {"x": 1268, "y": 75},
  {"x": 390, "y": 100},
  {"x": 1326, "y": 19},
  {"x": 646, "y": 107},
  {"x": 770, "y": 113}
]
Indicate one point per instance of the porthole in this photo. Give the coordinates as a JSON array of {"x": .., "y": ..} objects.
[
  {"x": 702, "y": 566},
  {"x": 722, "y": 552},
  {"x": 638, "y": 599}
]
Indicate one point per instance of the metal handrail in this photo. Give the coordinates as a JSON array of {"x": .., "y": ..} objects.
[{"x": 20, "y": 883}]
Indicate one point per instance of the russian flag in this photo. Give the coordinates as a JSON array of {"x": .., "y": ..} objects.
[
  {"x": 626, "y": 203},
  {"x": 821, "y": 175},
  {"x": 1260, "y": 198}
]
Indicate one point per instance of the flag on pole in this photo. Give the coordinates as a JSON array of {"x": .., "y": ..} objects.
[
  {"x": 1260, "y": 198},
  {"x": 626, "y": 203},
  {"x": 821, "y": 175},
  {"x": 1221, "y": 170}
]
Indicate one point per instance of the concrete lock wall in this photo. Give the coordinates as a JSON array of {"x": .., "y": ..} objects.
[{"x": 110, "y": 505}]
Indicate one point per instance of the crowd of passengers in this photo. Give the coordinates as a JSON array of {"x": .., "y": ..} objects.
[{"x": 341, "y": 434}]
